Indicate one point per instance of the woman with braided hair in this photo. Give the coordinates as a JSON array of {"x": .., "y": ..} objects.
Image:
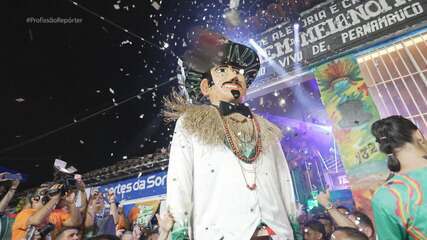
[{"x": 400, "y": 205}]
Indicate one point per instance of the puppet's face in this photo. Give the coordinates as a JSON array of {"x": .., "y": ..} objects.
[{"x": 226, "y": 79}]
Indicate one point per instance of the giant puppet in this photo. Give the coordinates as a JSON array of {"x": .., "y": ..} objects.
[{"x": 228, "y": 177}]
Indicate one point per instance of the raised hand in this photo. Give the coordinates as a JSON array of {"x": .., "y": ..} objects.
[
  {"x": 3, "y": 176},
  {"x": 120, "y": 209},
  {"x": 136, "y": 233},
  {"x": 80, "y": 184},
  {"x": 165, "y": 222},
  {"x": 56, "y": 187},
  {"x": 119, "y": 232},
  {"x": 111, "y": 197},
  {"x": 324, "y": 198},
  {"x": 15, "y": 183}
]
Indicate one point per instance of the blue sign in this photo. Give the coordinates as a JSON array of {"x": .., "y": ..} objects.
[
  {"x": 4, "y": 169},
  {"x": 153, "y": 184}
]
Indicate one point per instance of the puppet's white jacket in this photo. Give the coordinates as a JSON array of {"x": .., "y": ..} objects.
[{"x": 206, "y": 188}]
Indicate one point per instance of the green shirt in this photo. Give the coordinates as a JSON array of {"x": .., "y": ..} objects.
[
  {"x": 5, "y": 227},
  {"x": 400, "y": 207}
]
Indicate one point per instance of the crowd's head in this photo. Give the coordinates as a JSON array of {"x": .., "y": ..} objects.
[
  {"x": 327, "y": 222},
  {"x": 343, "y": 210},
  {"x": 97, "y": 201},
  {"x": 127, "y": 235},
  {"x": 363, "y": 222},
  {"x": 152, "y": 235},
  {"x": 105, "y": 237},
  {"x": 324, "y": 226},
  {"x": 39, "y": 197},
  {"x": 348, "y": 233},
  {"x": 314, "y": 230},
  {"x": 68, "y": 233}
]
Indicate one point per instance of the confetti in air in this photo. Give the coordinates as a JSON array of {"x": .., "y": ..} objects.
[
  {"x": 126, "y": 42},
  {"x": 155, "y": 5},
  {"x": 171, "y": 25}
]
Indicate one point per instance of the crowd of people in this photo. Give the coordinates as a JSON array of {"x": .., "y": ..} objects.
[
  {"x": 336, "y": 222},
  {"x": 53, "y": 212}
]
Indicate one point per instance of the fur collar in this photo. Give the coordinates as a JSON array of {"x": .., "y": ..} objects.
[{"x": 204, "y": 122}]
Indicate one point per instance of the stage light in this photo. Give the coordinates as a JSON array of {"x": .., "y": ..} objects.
[
  {"x": 276, "y": 67},
  {"x": 261, "y": 101},
  {"x": 282, "y": 102}
]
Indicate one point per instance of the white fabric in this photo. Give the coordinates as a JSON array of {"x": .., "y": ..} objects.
[{"x": 205, "y": 185}]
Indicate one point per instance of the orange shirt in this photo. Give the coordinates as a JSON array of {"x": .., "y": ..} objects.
[
  {"x": 133, "y": 215},
  {"x": 58, "y": 217},
  {"x": 19, "y": 228}
]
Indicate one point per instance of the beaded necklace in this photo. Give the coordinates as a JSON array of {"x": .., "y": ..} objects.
[{"x": 231, "y": 141}]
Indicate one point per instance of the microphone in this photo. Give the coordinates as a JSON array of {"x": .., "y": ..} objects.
[{"x": 236, "y": 93}]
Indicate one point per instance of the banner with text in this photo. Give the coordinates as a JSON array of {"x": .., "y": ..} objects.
[
  {"x": 152, "y": 184},
  {"x": 136, "y": 192},
  {"x": 335, "y": 27},
  {"x": 352, "y": 112}
]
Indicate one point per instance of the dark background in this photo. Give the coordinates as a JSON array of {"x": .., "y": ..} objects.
[{"x": 64, "y": 72}]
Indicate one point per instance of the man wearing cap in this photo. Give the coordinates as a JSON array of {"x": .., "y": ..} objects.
[{"x": 228, "y": 177}]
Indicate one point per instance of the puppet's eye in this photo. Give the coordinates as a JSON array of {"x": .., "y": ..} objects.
[{"x": 221, "y": 69}]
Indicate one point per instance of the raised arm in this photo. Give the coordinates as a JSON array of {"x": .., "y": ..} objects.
[
  {"x": 75, "y": 215},
  {"x": 42, "y": 214},
  {"x": 83, "y": 196},
  {"x": 113, "y": 206},
  {"x": 165, "y": 225},
  {"x": 340, "y": 219},
  {"x": 9, "y": 195}
]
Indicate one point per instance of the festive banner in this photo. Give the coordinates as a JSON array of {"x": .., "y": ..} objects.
[
  {"x": 352, "y": 112},
  {"x": 335, "y": 27},
  {"x": 141, "y": 213},
  {"x": 152, "y": 184},
  {"x": 133, "y": 192}
]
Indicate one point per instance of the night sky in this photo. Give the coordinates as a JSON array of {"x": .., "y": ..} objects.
[{"x": 64, "y": 82}]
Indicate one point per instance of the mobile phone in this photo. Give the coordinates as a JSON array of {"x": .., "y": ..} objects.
[
  {"x": 13, "y": 177},
  {"x": 46, "y": 229}
]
